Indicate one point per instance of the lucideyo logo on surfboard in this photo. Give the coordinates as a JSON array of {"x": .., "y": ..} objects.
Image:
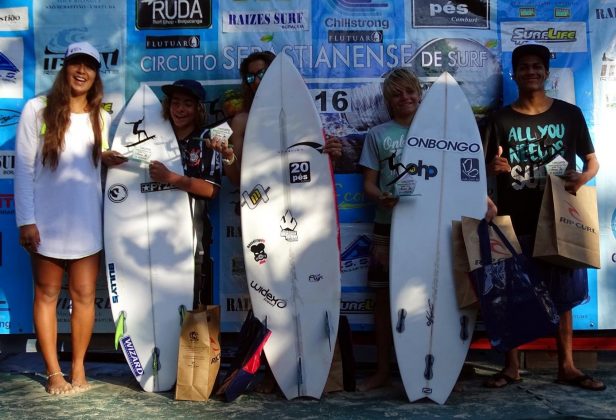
[
  {"x": 131, "y": 356},
  {"x": 469, "y": 169},
  {"x": 258, "y": 249},
  {"x": 267, "y": 296}
]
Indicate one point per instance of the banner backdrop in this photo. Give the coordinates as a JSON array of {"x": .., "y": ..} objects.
[{"x": 343, "y": 49}]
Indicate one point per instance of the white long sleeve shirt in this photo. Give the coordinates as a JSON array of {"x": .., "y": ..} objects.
[{"x": 65, "y": 203}]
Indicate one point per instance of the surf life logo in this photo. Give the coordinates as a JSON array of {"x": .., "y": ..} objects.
[
  {"x": 299, "y": 172},
  {"x": 8, "y": 70},
  {"x": 268, "y": 297},
  {"x": 288, "y": 224},
  {"x": 117, "y": 193},
  {"x": 530, "y": 148},
  {"x": 169, "y": 14},
  {"x": 131, "y": 356},
  {"x": 446, "y": 13},
  {"x": 257, "y": 247},
  {"x": 358, "y": 307},
  {"x": 113, "y": 285},
  {"x": 469, "y": 169},
  {"x": 148, "y": 187},
  {"x": 257, "y": 195},
  {"x": 7, "y": 164},
  {"x": 576, "y": 219},
  {"x": 564, "y": 36}
]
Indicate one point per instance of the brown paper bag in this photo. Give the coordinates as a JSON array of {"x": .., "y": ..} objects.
[
  {"x": 568, "y": 227},
  {"x": 199, "y": 354},
  {"x": 465, "y": 294},
  {"x": 499, "y": 251}
]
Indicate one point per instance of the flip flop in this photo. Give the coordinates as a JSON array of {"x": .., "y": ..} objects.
[
  {"x": 492, "y": 381},
  {"x": 582, "y": 381}
]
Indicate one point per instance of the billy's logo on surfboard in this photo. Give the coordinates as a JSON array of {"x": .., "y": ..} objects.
[
  {"x": 257, "y": 247},
  {"x": 131, "y": 355},
  {"x": 267, "y": 296},
  {"x": 112, "y": 283},
  {"x": 256, "y": 196}
]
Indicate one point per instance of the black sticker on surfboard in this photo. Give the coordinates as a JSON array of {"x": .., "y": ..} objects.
[
  {"x": 469, "y": 169},
  {"x": 288, "y": 224},
  {"x": 117, "y": 193},
  {"x": 299, "y": 172}
]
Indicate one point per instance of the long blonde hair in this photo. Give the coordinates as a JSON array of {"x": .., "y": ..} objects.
[{"x": 57, "y": 117}]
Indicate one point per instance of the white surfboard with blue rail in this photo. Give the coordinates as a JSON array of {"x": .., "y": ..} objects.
[
  {"x": 148, "y": 245},
  {"x": 290, "y": 231},
  {"x": 444, "y": 157}
]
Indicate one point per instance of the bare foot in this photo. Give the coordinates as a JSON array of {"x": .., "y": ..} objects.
[
  {"x": 57, "y": 385},
  {"x": 378, "y": 380},
  {"x": 78, "y": 379}
]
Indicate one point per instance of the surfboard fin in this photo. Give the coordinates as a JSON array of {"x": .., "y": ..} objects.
[
  {"x": 120, "y": 327},
  {"x": 401, "y": 320},
  {"x": 182, "y": 311},
  {"x": 464, "y": 327},
  {"x": 300, "y": 379},
  {"x": 155, "y": 361},
  {"x": 429, "y": 362},
  {"x": 328, "y": 330}
]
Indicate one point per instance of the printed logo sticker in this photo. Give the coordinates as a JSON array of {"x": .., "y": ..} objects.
[
  {"x": 299, "y": 172},
  {"x": 287, "y": 227},
  {"x": 117, "y": 193},
  {"x": 315, "y": 278},
  {"x": 131, "y": 356},
  {"x": 113, "y": 285},
  {"x": 268, "y": 297},
  {"x": 148, "y": 187},
  {"x": 257, "y": 247},
  {"x": 256, "y": 196},
  {"x": 469, "y": 169}
]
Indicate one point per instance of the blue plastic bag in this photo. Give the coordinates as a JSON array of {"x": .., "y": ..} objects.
[{"x": 515, "y": 304}]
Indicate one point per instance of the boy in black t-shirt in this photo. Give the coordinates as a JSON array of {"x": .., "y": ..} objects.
[{"x": 522, "y": 141}]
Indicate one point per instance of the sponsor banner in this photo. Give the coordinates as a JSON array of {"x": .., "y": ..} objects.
[
  {"x": 59, "y": 23},
  {"x": 241, "y": 20},
  {"x": 355, "y": 243},
  {"x": 602, "y": 29},
  {"x": 14, "y": 19},
  {"x": 103, "y": 318},
  {"x": 176, "y": 14},
  {"x": 447, "y": 14},
  {"x": 11, "y": 68},
  {"x": 353, "y": 207},
  {"x": 7, "y": 164},
  {"x": 557, "y": 36},
  {"x": 358, "y": 307},
  {"x": 16, "y": 291}
]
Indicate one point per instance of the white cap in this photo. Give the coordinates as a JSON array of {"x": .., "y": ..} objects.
[{"x": 82, "y": 48}]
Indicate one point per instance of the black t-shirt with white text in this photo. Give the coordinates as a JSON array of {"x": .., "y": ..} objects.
[{"x": 530, "y": 142}]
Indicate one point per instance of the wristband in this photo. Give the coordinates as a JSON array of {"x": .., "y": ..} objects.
[{"x": 228, "y": 162}]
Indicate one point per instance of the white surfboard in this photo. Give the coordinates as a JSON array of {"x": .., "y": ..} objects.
[
  {"x": 148, "y": 244},
  {"x": 444, "y": 156},
  {"x": 290, "y": 231}
]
